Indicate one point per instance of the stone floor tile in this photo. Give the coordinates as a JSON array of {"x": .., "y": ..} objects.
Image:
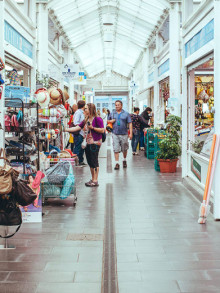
[
  {"x": 69, "y": 288},
  {"x": 125, "y": 277},
  {"x": 88, "y": 277},
  {"x": 199, "y": 286}
]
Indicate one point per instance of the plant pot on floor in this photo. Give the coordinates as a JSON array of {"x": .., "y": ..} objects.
[{"x": 167, "y": 166}]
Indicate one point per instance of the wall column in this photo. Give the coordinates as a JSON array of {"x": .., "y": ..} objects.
[
  {"x": 217, "y": 105},
  {"x": 2, "y": 55},
  {"x": 187, "y": 9},
  {"x": 156, "y": 85},
  {"x": 42, "y": 38},
  {"x": 175, "y": 58}
]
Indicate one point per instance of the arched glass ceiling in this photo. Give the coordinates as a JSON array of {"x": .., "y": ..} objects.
[{"x": 133, "y": 23}]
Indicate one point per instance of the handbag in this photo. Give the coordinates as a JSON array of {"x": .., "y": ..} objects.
[
  {"x": 5, "y": 175},
  {"x": 23, "y": 194},
  {"x": 10, "y": 214}
]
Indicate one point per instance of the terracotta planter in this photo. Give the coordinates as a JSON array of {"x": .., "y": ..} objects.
[{"x": 167, "y": 166}]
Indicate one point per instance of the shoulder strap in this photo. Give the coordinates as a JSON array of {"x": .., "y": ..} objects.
[{"x": 11, "y": 235}]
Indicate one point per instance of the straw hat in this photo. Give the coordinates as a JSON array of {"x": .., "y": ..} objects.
[
  {"x": 43, "y": 97},
  {"x": 55, "y": 97},
  {"x": 64, "y": 154}
]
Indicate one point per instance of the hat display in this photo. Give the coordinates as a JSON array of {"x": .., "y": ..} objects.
[
  {"x": 43, "y": 97},
  {"x": 64, "y": 154},
  {"x": 55, "y": 97}
]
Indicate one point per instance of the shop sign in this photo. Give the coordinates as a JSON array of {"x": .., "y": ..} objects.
[
  {"x": 81, "y": 79},
  {"x": 164, "y": 67},
  {"x": 150, "y": 77},
  {"x": 70, "y": 71},
  {"x": 196, "y": 168},
  {"x": 200, "y": 39},
  {"x": 14, "y": 38}
]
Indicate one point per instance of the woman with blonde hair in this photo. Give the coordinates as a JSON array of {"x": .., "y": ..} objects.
[{"x": 94, "y": 128}]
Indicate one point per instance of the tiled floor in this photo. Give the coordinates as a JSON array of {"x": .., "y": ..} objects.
[{"x": 160, "y": 247}]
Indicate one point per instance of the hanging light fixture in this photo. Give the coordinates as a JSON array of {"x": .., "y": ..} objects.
[
  {"x": 108, "y": 19},
  {"x": 108, "y": 37}
]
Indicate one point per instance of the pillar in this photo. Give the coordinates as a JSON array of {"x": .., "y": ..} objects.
[
  {"x": 174, "y": 26},
  {"x": 153, "y": 54},
  {"x": 217, "y": 105},
  {"x": 42, "y": 37},
  {"x": 187, "y": 9},
  {"x": 2, "y": 133}
]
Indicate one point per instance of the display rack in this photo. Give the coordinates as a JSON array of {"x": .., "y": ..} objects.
[{"x": 16, "y": 103}]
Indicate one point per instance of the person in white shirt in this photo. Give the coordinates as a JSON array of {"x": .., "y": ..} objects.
[
  {"x": 79, "y": 136},
  {"x": 104, "y": 117}
]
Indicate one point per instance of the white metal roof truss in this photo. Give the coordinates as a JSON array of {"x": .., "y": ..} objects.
[{"x": 134, "y": 22}]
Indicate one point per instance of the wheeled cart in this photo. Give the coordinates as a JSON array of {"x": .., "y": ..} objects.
[{"x": 59, "y": 182}]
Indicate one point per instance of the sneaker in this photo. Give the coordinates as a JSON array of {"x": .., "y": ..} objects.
[
  {"x": 117, "y": 166},
  {"x": 124, "y": 164},
  {"x": 82, "y": 164},
  {"x": 142, "y": 149},
  {"x": 133, "y": 154},
  {"x": 92, "y": 184}
]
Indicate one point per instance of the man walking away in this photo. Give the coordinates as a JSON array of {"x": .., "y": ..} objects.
[
  {"x": 120, "y": 119},
  {"x": 78, "y": 137},
  {"x": 136, "y": 123}
]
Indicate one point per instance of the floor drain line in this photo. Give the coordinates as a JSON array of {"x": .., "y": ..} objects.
[
  {"x": 109, "y": 141},
  {"x": 109, "y": 161},
  {"x": 109, "y": 276}
]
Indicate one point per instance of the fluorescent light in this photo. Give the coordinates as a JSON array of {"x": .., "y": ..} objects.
[{"x": 108, "y": 19}]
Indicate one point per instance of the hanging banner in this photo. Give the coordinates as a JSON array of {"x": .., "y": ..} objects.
[{"x": 70, "y": 71}]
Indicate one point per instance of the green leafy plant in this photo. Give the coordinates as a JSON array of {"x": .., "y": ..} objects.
[{"x": 170, "y": 146}]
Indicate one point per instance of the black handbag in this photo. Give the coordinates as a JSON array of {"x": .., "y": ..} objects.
[
  {"x": 22, "y": 193},
  {"x": 10, "y": 214}
]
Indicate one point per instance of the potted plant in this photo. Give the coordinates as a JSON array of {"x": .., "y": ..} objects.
[{"x": 169, "y": 147}]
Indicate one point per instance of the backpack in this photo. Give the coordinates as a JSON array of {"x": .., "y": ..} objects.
[
  {"x": 7, "y": 123},
  {"x": 14, "y": 123}
]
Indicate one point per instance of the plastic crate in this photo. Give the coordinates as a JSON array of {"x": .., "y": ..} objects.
[{"x": 156, "y": 165}]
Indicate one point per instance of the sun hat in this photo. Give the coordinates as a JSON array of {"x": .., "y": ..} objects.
[
  {"x": 43, "y": 97},
  {"x": 64, "y": 154},
  {"x": 55, "y": 97}
]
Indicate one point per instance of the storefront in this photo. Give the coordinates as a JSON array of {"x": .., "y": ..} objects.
[
  {"x": 198, "y": 96},
  {"x": 201, "y": 116}
]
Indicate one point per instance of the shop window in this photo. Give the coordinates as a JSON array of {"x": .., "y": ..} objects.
[{"x": 203, "y": 106}]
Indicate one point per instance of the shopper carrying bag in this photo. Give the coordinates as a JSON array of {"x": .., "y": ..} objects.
[{"x": 94, "y": 129}]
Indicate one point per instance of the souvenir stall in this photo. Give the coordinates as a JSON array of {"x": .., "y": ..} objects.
[
  {"x": 56, "y": 161},
  {"x": 202, "y": 114}
]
